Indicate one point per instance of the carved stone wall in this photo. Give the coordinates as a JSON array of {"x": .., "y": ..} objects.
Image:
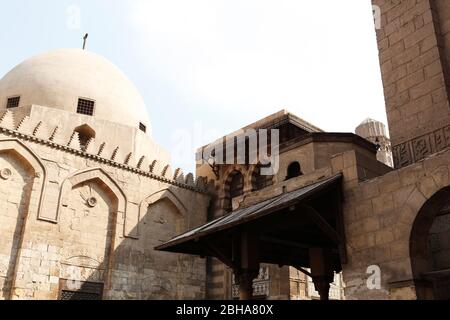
[
  {"x": 92, "y": 222},
  {"x": 417, "y": 149}
]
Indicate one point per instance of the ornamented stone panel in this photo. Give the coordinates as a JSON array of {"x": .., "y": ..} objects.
[
  {"x": 261, "y": 285},
  {"x": 417, "y": 149},
  {"x": 402, "y": 155},
  {"x": 421, "y": 147}
]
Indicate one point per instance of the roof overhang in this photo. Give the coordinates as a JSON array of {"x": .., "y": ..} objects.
[{"x": 285, "y": 226}]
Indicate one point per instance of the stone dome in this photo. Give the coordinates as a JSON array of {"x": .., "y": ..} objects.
[
  {"x": 371, "y": 128},
  {"x": 57, "y": 79}
]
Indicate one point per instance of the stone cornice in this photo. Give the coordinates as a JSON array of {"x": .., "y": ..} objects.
[{"x": 199, "y": 185}]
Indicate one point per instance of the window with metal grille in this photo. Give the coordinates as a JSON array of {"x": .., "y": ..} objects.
[
  {"x": 85, "y": 107},
  {"x": 142, "y": 127},
  {"x": 84, "y": 291},
  {"x": 76, "y": 295},
  {"x": 13, "y": 102}
]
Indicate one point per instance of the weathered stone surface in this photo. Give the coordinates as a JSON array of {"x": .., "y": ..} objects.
[
  {"x": 413, "y": 55},
  {"x": 92, "y": 235}
]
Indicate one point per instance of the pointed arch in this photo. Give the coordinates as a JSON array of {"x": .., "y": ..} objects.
[
  {"x": 33, "y": 160},
  {"x": 419, "y": 246},
  {"x": 91, "y": 174},
  {"x": 85, "y": 135},
  {"x": 160, "y": 195},
  {"x": 164, "y": 194},
  {"x": 118, "y": 216},
  {"x": 236, "y": 183},
  {"x": 82, "y": 261}
]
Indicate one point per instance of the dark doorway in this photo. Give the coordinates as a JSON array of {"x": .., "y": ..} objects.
[{"x": 430, "y": 248}]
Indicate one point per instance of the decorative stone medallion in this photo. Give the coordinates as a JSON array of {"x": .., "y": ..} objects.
[
  {"x": 91, "y": 202},
  {"x": 5, "y": 173}
]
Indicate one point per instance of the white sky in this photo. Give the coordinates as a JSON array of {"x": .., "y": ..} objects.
[
  {"x": 234, "y": 62},
  {"x": 208, "y": 67}
]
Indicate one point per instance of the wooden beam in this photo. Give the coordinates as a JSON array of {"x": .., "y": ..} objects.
[
  {"x": 249, "y": 251},
  {"x": 286, "y": 242},
  {"x": 302, "y": 270},
  {"x": 323, "y": 225},
  {"x": 216, "y": 252}
]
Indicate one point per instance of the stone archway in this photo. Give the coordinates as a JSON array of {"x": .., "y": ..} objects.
[
  {"x": 29, "y": 158},
  {"x": 23, "y": 180},
  {"x": 233, "y": 189},
  {"x": 162, "y": 217},
  {"x": 91, "y": 208},
  {"x": 90, "y": 175},
  {"x": 430, "y": 247},
  {"x": 159, "y": 195}
]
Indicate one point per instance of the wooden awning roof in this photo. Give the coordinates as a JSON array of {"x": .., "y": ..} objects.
[{"x": 306, "y": 217}]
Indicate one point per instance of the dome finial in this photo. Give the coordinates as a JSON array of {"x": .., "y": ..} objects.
[{"x": 84, "y": 40}]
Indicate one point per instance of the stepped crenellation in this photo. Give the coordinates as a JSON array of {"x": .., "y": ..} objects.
[{"x": 97, "y": 148}]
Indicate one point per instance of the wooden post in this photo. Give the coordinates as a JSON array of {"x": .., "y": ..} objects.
[
  {"x": 249, "y": 265},
  {"x": 321, "y": 270},
  {"x": 246, "y": 284},
  {"x": 322, "y": 285}
]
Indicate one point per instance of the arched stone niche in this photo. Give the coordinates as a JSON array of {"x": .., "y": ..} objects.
[{"x": 29, "y": 158}]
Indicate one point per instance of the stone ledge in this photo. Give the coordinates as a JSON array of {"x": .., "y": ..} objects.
[{"x": 97, "y": 158}]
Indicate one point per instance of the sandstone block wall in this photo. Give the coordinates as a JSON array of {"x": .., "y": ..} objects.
[
  {"x": 379, "y": 215},
  {"x": 414, "y": 49},
  {"x": 69, "y": 220}
]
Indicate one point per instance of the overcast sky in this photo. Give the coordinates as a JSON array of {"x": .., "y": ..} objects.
[{"x": 208, "y": 67}]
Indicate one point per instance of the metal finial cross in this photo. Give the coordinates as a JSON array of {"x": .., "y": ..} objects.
[{"x": 84, "y": 40}]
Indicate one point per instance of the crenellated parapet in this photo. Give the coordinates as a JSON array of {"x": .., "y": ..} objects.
[{"x": 100, "y": 150}]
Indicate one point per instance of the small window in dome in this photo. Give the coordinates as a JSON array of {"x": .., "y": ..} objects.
[
  {"x": 85, "y": 134},
  {"x": 142, "y": 127},
  {"x": 13, "y": 102},
  {"x": 85, "y": 107}
]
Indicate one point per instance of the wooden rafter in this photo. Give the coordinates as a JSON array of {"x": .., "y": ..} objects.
[{"x": 316, "y": 217}]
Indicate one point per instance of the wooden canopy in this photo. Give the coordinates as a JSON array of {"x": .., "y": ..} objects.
[{"x": 302, "y": 228}]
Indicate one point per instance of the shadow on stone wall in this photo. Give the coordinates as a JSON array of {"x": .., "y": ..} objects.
[
  {"x": 13, "y": 160},
  {"x": 139, "y": 272}
]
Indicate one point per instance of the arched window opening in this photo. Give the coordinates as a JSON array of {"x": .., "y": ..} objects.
[
  {"x": 85, "y": 134},
  {"x": 237, "y": 185},
  {"x": 430, "y": 248},
  {"x": 294, "y": 170},
  {"x": 260, "y": 181},
  {"x": 234, "y": 187}
]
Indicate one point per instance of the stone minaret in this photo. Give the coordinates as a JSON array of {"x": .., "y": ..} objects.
[
  {"x": 414, "y": 47},
  {"x": 375, "y": 132}
]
